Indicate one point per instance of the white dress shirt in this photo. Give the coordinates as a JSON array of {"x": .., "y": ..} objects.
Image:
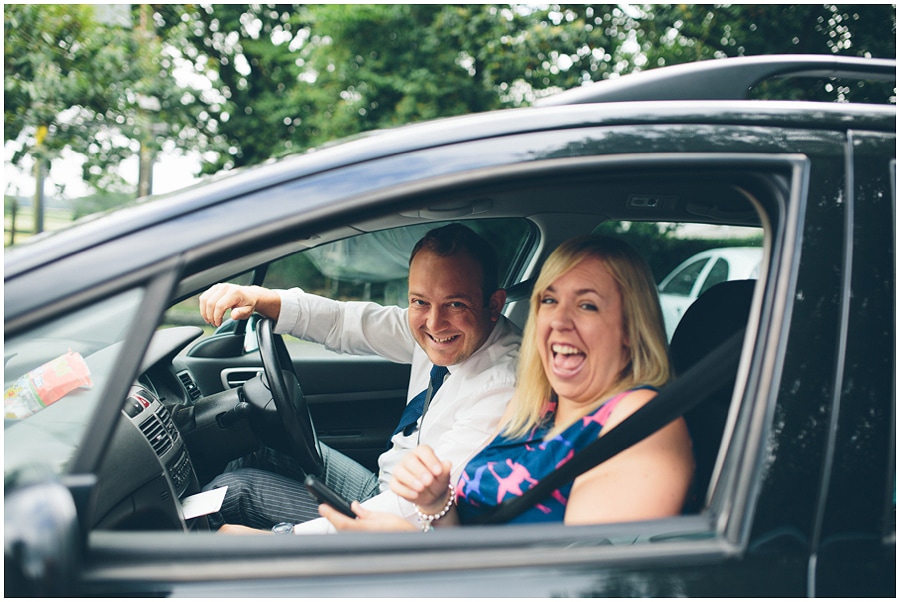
[{"x": 463, "y": 415}]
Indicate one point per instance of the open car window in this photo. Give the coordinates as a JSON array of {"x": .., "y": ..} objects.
[{"x": 372, "y": 266}]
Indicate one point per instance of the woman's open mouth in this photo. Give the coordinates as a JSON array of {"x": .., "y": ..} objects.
[{"x": 567, "y": 360}]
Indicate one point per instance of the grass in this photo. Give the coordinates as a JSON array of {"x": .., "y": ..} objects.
[{"x": 54, "y": 219}]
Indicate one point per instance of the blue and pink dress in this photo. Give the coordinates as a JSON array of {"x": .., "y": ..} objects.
[{"x": 507, "y": 468}]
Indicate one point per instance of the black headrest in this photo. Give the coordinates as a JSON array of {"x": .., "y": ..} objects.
[{"x": 713, "y": 317}]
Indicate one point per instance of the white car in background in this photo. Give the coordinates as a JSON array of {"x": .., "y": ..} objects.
[{"x": 700, "y": 272}]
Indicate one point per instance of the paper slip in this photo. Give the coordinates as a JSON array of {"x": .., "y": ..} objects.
[{"x": 206, "y": 502}]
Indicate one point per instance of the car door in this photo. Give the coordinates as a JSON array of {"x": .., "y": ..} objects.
[
  {"x": 760, "y": 529},
  {"x": 858, "y": 517}
]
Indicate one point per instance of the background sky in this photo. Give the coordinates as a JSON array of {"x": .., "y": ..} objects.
[{"x": 171, "y": 171}]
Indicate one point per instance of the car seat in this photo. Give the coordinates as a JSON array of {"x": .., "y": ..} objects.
[
  {"x": 520, "y": 291},
  {"x": 716, "y": 315}
]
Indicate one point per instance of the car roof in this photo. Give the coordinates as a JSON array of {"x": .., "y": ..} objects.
[
  {"x": 443, "y": 132},
  {"x": 722, "y": 79}
]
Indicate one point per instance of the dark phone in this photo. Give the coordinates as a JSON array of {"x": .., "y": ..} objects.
[{"x": 326, "y": 495}]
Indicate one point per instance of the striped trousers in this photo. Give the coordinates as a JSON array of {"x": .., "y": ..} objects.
[{"x": 266, "y": 488}]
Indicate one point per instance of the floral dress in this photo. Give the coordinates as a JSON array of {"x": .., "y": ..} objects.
[{"x": 507, "y": 468}]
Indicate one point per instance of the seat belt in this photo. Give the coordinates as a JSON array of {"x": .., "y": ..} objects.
[{"x": 675, "y": 399}]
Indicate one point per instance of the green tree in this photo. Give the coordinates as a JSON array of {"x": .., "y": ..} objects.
[
  {"x": 249, "y": 54},
  {"x": 679, "y": 33},
  {"x": 291, "y": 77},
  {"x": 396, "y": 64},
  {"x": 41, "y": 81},
  {"x": 97, "y": 89}
]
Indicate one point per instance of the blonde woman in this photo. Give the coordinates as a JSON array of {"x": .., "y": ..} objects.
[{"x": 593, "y": 352}]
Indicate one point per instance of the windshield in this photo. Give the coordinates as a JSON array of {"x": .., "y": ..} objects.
[{"x": 54, "y": 375}]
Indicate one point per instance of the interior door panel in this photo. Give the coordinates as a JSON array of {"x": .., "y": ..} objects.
[{"x": 355, "y": 402}]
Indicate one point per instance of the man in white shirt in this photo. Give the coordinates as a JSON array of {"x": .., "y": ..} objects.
[{"x": 453, "y": 320}]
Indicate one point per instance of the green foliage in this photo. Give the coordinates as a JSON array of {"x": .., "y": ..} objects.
[
  {"x": 41, "y": 53},
  {"x": 298, "y": 76},
  {"x": 269, "y": 79},
  {"x": 292, "y": 78},
  {"x": 679, "y": 33},
  {"x": 72, "y": 83},
  {"x": 248, "y": 113}
]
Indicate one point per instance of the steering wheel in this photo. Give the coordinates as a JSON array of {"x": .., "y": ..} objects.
[{"x": 288, "y": 396}]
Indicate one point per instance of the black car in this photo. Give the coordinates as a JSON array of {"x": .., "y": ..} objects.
[{"x": 795, "y": 446}]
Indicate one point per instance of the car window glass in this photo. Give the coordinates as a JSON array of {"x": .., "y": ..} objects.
[
  {"x": 374, "y": 266},
  {"x": 717, "y": 273},
  {"x": 53, "y": 378},
  {"x": 683, "y": 281},
  {"x": 370, "y": 267}
]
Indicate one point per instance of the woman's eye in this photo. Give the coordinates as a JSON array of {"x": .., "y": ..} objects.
[
  {"x": 547, "y": 300},
  {"x": 589, "y": 306}
]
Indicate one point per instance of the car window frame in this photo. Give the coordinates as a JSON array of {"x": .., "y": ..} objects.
[{"x": 787, "y": 164}]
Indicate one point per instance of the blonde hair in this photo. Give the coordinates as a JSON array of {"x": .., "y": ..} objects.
[{"x": 642, "y": 323}]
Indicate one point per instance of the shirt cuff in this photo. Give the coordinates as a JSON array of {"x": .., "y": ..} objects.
[{"x": 290, "y": 313}]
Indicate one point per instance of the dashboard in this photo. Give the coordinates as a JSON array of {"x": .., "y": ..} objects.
[{"x": 148, "y": 470}]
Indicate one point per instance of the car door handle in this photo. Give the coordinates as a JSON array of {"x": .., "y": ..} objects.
[{"x": 232, "y": 378}]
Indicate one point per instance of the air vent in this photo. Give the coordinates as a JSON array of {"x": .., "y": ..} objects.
[
  {"x": 166, "y": 418},
  {"x": 157, "y": 434},
  {"x": 189, "y": 385}
]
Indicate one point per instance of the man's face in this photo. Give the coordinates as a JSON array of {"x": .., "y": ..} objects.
[{"x": 447, "y": 315}]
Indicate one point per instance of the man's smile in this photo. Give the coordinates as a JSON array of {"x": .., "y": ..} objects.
[{"x": 442, "y": 340}]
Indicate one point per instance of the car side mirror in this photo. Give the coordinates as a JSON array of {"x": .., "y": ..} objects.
[{"x": 41, "y": 538}]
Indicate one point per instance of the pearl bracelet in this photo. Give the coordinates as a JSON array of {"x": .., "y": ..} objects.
[{"x": 427, "y": 519}]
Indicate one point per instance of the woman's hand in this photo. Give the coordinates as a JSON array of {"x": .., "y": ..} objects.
[
  {"x": 367, "y": 520},
  {"x": 423, "y": 479}
]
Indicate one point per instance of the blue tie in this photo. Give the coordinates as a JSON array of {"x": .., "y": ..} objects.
[{"x": 414, "y": 408}]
